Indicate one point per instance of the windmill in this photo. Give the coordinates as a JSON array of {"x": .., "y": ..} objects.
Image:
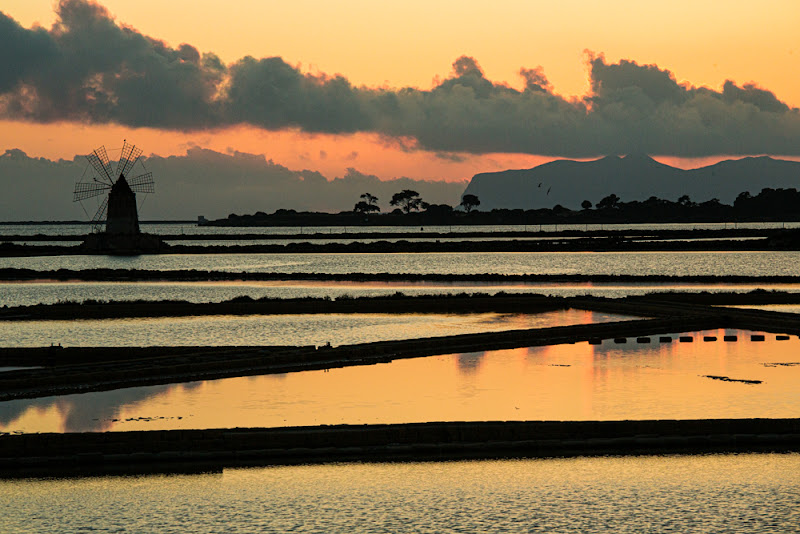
[{"x": 118, "y": 208}]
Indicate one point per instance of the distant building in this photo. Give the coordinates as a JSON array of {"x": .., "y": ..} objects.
[
  {"x": 122, "y": 216},
  {"x": 122, "y": 235}
]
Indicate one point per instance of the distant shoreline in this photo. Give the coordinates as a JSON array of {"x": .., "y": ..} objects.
[{"x": 489, "y": 235}]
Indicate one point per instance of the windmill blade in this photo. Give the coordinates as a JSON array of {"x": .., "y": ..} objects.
[
  {"x": 143, "y": 183},
  {"x": 99, "y": 160},
  {"x": 130, "y": 153},
  {"x": 126, "y": 148},
  {"x": 84, "y": 190},
  {"x": 100, "y": 214}
]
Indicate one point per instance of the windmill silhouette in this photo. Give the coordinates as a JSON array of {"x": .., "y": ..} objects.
[{"x": 118, "y": 208}]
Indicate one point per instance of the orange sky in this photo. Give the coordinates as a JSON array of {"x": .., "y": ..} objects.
[{"x": 414, "y": 42}]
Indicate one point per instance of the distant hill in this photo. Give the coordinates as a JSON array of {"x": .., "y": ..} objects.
[{"x": 633, "y": 177}]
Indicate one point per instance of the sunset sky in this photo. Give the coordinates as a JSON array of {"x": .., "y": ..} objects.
[{"x": 423, "y": 89}]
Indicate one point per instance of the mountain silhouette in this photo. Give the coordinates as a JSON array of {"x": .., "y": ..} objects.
[{"x": 632, "y": 177}]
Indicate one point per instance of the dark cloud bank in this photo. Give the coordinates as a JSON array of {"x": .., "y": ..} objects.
[{"x": 89, "y": 68}]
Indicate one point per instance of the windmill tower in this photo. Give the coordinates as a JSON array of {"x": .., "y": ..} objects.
[{"x": 119, "y": 207}]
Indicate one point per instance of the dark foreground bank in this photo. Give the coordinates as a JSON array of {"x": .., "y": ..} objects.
[{"x": 203, "y": 450}]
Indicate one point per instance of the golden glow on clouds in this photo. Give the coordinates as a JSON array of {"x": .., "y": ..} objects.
[
  {"x": 330, "y": 155},
  {"x": 410, "y": 43},
  {"x": 414, "y": 42}
]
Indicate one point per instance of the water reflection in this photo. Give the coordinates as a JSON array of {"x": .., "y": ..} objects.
[
  {"x": 743, "y": 263},
  {"x": 194, "y": 229},
  {"x": 49, "y": 292},
  {"x": 753, "y": 493},
  {"x": 252, "y": 330},
  {"x": 72, "y": 415},
  {"x": 562, "y": 382},
  {"x": 783, "y": 308},
  {"x": 469, "y": 362}
]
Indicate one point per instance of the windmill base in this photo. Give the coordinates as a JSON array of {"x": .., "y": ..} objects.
[{"x": 123, "y": 244}]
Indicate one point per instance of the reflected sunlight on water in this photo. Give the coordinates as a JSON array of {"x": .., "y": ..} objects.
[
  {"x": 709, "y": 493},
  {"x": 561, "y": 382},
  {"x": 783, "y": 308},
  {"x": 756, "y": 493},
  {"x": 751, "y": 263},
  {"x": 251, "y": 330},
  {"x": 48, "y": 292},
  {"x": 183, "y": 228}
]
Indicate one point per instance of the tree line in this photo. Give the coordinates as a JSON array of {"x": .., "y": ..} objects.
[
  {"x": 407, "y": 201},
  {"x": 410, "y": 209},
  {"x": 768, "y": 203}
]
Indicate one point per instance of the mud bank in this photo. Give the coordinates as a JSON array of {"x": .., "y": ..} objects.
[
  {"x": 402, "y": 246},
  {"x": 193, "y": 275},
  {"x": 71, "y": 370},
  {"x": 399, "y": 303},
  {"x": 201, "y": 450},
  {"x": 268, "y": 306},
  {"x": 699, "y": 233},
  {"x": 74, "y": 370},
  {"x": 104, "y": 369}
]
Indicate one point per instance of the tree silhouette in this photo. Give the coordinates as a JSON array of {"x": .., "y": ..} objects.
[
  {"x": 609, "y": 202},
  {"x": 363, "y": 207},
  {"x": 408, "y": 200},
  {"x": 368, "y": 205},
  {"x": 586, "y": 205},
  {"x": 469, "y": 202},
  {"x": 372, "y": 200}
]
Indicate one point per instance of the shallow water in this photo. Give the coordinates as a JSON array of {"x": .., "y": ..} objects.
[
  {"x": 450, "y": 237},
  {"x": 6, "y": 369},
  {"x": 561, "y": 382},
  {"x": 783, "y": 308},
  {"x": 251, "y": 330},
  {"x": 757, "y": 493},
  {"x": 750, "y": 263},
  {"x": 193, "y": 229},
  {"x": 49, "y": 292}
]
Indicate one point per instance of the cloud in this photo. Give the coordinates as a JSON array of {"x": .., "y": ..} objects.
[
  {"x": 62, "y": 74},
  {"x": 270, "y": 93},
  {"x": 535, "y": 80},
  {"x": 90, "y": 69},
  {"x": 22, "y": 52}
]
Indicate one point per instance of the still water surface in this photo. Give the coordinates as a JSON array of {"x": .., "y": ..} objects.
[
  {"x": 783, "y": 308},
  {"x": 49, "y": 292},
  {"x": 251, "y": 330},
  {"x": 560, "y": 382},
  {"x": 193, "y": 229},
  {"x": 749, "y": 263},
  {"x": 755, "y": 493}
]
